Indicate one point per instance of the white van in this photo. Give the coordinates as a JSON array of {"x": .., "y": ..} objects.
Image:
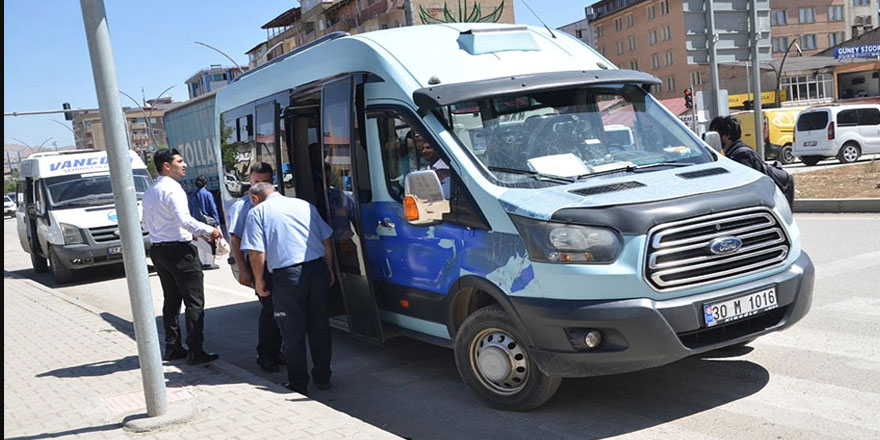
[
  {"x": 67, "y": 215},
  {"x": 842, "y": 131}
]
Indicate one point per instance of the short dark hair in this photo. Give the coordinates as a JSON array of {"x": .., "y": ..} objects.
[
  {"x": 201, "y": 182},
  {"x": 726, "y": 125},
  {"x": 164, "y": 155},
  {"x": 261, "y": 168}
]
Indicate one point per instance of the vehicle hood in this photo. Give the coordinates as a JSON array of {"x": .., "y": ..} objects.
[
  {"x": 629, "y": 188},
  {"x": 85, "y": 218}
]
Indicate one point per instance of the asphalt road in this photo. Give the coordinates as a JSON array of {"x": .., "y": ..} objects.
[{"x": 815, "y": 380}]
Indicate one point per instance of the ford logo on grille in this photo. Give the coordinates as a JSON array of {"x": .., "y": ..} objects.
[{"x": 725, "y": 245}]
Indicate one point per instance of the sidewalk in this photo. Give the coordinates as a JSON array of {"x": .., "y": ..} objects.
[{"x": 69, "y": 372}]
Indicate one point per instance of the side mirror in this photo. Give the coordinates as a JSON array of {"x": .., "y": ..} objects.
[
  {"x": 424, "y": 202},
  {"x": 713, "y": 140}
]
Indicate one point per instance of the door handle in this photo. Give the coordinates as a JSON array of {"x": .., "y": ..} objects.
[{"x": 386, "y": 223}]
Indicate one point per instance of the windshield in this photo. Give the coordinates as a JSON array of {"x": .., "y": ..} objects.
[
  {"x": 89, "y": 189},
  {"x": 571, "y": 133}
]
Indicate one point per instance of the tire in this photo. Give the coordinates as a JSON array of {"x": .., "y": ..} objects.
[
  {"x": 62, "y": 274},
  {"x": 849, "y": 152},
  {"x": 810, "y": 160},
  {"x": 785, "y": 155},
  {"x": 516, "y": 383},
  {"x": 39, "y": 263}
]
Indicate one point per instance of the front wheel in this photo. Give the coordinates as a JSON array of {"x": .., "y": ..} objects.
[
  {"x": 62, "y": 274},
  {"x": 785, "y": 155},
  {"x": 496, "y": 365},
  {"x": 849, "y": 152},
  {"x": 39, "y": 263}
]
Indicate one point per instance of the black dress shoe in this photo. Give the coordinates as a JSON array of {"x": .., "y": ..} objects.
[
  {"x": 323, "y": 386},
  {"x": 201, "y": 357},
  {"x": 174, "y": 354},
  {"x": 295, "y": 390},
  {"x": 267, "y": 365}
]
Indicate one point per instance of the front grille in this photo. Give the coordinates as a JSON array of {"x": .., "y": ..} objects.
[
  {"x": 104, "y": 234},
  {"x": 678, "y": 253}
]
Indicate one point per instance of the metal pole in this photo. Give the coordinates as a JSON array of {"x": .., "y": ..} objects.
[
  {"x": 712, "y": 39},
  {"x": 221, "y": 53},
  {"x": 756, "y": 67},
  {"x": 146, "y": 335},
  {"x": 408, "y": 12}
]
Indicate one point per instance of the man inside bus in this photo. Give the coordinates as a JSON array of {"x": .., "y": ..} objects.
[
  {"x": 268, "y": 335},
  {"x": 431, "y": 160}
]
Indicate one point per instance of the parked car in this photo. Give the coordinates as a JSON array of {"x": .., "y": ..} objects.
[
  {"x": 842, "y": 131},
  {"x": 8, "y": 206},
  {"x": 778, "y": 131}
]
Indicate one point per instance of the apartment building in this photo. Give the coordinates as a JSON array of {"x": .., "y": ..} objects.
[
  {"x": 145, "y": 126},
  {"x": 581, "y": 30},
  {"x": 646, "y": 35},
  {"x": 212, "y": 78},
  {"x": 816, "y": 25},
  {"x": 316, "y": 18}
]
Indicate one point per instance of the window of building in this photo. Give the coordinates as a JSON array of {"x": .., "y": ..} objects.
[
  {"x": 667, "y": 33},
  {"x": 861, "y": 2},
  {"x": 668, "y": 57},
  {"x": 780, "y": 44},
  {"x": 808, "y": 41},
  {"x": 620, "y": 47},
  {"x": 835, "y": 38},
  {"x": 600, "y": 31},
  {"x": 809, "y": 88},
  {"x": 655, "y": 61},
  {"x": 602, "y": 51},
  {"x": 696, "y": 78},
  {"x": 835, "y": 13},
  {"x": 629, "y": 20},
  {"x": 664, "y": 7},
  {"x": 807, "y": 15},
  {"x": 651, "y": 11},
  {"x": 779, "y": 17},
  {"x": 579, "y": 33},
  {"x": 632, "y": 43},
  {"x": 618, "y": 24},
  {"x": 670, "y": 83},
  {"x": 652, "y": 36},
  {"x": 634, "y": 65}
]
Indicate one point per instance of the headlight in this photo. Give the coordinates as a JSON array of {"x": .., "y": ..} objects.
[
  {"x": 563, "y": 243},
  {"x": 71, "y": 233},
  {"x": 782, "y": 207}
]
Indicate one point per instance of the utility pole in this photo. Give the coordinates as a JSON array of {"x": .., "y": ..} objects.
[
  {"x": 712, "y": 39},
  {"x": 121, "y": 180},
  {"x": 756, "y": 68}
]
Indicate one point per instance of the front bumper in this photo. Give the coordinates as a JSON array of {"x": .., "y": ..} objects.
[
  {"x": 81, "y": 256},
  {"x": 643, "y": 333}
]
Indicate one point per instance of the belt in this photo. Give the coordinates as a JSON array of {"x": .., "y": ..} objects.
[
  {"x": 170, "y": 243},
  {"x": 297, "y": 264}
]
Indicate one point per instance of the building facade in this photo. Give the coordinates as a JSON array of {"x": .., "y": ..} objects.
[
  {"x": 315, "y": 18},
  {"x": 816, "y": 25},
  {"x": 210, "y": 79},
  {"x": 145, "y": 127},
  {"x": 581, "y": 29}
]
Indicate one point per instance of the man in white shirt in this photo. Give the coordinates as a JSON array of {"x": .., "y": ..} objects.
[{"x": 167, "y": 218}]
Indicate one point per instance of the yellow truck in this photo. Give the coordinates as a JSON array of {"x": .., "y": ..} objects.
[{"x": 778, "y": 131}]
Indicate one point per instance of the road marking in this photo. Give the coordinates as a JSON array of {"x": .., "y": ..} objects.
[
  {"x": 857, "y": 305},
  {"x": 851, "y": 264}
]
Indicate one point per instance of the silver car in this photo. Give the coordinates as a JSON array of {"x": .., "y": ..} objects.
[{"x": 8, "y": 206}]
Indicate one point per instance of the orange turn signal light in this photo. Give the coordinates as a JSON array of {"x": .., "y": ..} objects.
[
  {"x": 410, "y": 210},
  {"x": 404, "y": 303}
]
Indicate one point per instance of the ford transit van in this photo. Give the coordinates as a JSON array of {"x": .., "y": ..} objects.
[
  {"x": 510, "y": 194},
  {"x": 67, "y": 219}
]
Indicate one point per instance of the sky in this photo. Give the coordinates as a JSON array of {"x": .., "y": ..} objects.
[{"x": 46, "y": 58}]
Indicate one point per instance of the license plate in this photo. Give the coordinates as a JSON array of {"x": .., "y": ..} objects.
[
  {"x": 810, "y": 143},
  {"x": 115, "y": 250},
  {"x": 740, "y": 307}
]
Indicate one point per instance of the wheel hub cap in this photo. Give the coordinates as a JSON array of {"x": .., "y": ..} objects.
[
  {"x": 494, "y": 363},
  {"x": 499, "y": 362}
]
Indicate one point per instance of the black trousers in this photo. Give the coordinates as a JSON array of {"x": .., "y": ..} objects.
[
  {"x": 268, "y": 334},
  {"x": 301, "y": 307},
  {"x": 180, "y": 272}
]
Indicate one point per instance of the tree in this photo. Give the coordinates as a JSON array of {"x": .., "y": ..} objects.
[{"x": 474, "y": 16}]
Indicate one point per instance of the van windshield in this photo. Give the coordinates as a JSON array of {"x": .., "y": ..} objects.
[
  {"x": 571, "y": 133},
  {"x": 89, "y": 189},
  {"x": 812, "y": 121}
]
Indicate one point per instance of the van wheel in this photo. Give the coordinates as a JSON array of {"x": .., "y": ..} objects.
[
  {"x": 62, "y": 274},
  {"x": 810, "y": 160},
  {"x": 785, "y": 155},
  {"x": 39, "y": 263},
  {"x": 496, "y": 366},
  {"x": 849, "y": 152}
]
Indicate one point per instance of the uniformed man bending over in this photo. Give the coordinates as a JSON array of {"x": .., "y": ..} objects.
[{"x": 289, "y": 237}]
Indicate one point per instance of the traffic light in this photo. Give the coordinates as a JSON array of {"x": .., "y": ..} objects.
[
  {"x": 68, "y": 116},
  {"x": 688, "y": 98}
]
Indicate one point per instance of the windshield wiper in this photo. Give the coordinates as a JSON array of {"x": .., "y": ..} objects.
[
  {"x": 537, "y": 175},
  {"x": 635, "y": 168},
  {"x": 87, "y": 198}
]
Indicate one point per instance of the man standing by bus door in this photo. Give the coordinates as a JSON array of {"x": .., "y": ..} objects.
[
  {"x": 269, "y": 355},
  {"x": 171, "y": 227},
  {"x": 288, "y": 237}
]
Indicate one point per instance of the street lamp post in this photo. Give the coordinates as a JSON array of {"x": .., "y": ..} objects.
[
  {"x": 75, "y": 140},
  {"x": 222, "y": 53},
  {"x": 39, "y": 147},
  {"x": 147, "y": 116},
  {"x": 779, "y": 71}
]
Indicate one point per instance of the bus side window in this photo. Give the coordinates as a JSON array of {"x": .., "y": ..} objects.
[{"x": 405, "y": 149}]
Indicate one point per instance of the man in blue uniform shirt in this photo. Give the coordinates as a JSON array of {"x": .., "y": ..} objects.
[
  {"x": 203, "y": 208},
  {"x": 288, "y": 236}
]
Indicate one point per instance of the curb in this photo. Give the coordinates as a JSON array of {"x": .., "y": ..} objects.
[{"x": 836, "y": 206}]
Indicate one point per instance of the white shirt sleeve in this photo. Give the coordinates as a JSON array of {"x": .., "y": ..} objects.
[{"x": 181, "y": 211}]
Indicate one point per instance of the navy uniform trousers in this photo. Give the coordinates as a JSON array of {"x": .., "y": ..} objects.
[{"x": 300, "y": 297}]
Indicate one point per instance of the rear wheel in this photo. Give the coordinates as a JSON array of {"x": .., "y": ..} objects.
[
  {"x": 785, "y": 154},
  {"x": 810, "y": 160},
  {"x": 849, "y": 152},
  {"x": 496, "y": 365},
  {"x": 62, "y": 274}
]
